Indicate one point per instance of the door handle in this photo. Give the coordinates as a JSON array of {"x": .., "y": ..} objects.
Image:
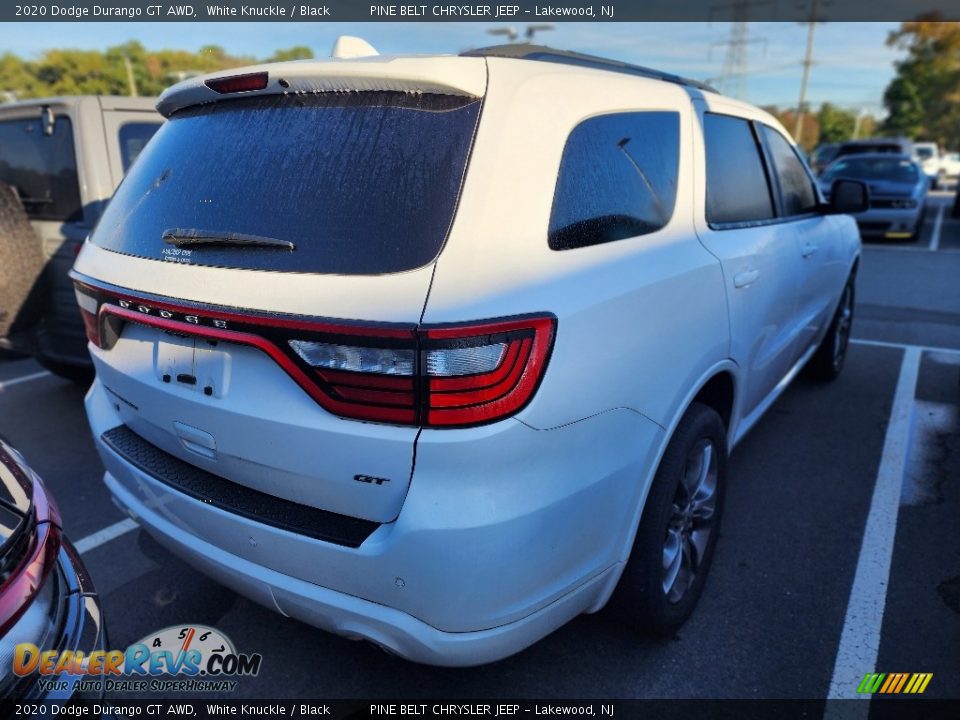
[
  {"x": 809, "y": 249},
  {"x": 742, "y": 279}
]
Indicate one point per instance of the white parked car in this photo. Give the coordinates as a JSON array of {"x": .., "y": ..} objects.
[
  {"x": 950, "y": 165},
  {"x": 441, "y": 352}
]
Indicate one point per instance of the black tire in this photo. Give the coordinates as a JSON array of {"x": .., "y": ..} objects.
[
  {"x": 80, "y": 374},
  {"x": 642, "y": 600},
  {"x": 828, "y": 361}
]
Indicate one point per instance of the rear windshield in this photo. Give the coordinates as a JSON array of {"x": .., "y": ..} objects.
[
  {"x": 864, "y": 148},
  {"x": 41, "y": 167},
  {"x": 357, "y": 183},
  {"x": 894, "y": 169}
]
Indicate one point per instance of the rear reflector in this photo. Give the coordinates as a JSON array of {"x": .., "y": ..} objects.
[
  {"x": 432, "y": 375},
  {"x": 238, "y": 83}
]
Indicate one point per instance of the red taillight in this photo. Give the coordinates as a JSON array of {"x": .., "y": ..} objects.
[
  {"x": 89, "y": 306},
  {"x": 436, "y": 376},
  {"x": 446, "y": 376},
  {"x": 463, "y": 383},
  {"x": 238, "y": 83}
]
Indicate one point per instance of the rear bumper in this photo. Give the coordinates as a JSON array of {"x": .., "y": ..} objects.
[
  {"x": 506, "y": 533},
  {"x": 351, "y": 616}
]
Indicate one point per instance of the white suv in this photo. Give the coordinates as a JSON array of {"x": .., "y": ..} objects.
[{"x": 442, "y": 351}]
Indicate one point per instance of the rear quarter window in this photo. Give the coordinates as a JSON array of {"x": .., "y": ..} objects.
[
  {"x": 797, "y": 193},
  {"x": 41, "y": 168},
  {"x": 617, "y": 179},
  {"x": 737, "y": 188},
  {"x": 357, "y": 183}
]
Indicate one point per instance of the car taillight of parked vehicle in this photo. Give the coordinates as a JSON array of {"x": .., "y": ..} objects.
[
  {"x": 458, "y": 375},
  {"x": 88, "y": 305},
  {"x": 433, "y": 376}
]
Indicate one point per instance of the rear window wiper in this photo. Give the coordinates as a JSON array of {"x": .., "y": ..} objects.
[{"x": 188, "y": 237}]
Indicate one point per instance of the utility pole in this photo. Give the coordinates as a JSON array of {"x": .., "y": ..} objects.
[
  {"x": 732, "y": 79},
  {"x": 856, "y": 126},
  {"x": 807, "y": 62},
  {"x": 131, "y": 81},
  {"x": 733, "y": 75}
]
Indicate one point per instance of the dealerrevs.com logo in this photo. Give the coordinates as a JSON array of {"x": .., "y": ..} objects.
[{"x": 186, "y": 658}]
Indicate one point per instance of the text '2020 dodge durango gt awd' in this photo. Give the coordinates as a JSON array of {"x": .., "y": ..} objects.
[{"x": 441, "y": 352}]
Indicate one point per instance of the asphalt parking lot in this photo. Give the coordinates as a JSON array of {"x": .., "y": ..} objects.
[{"x": 821, "y": 490}]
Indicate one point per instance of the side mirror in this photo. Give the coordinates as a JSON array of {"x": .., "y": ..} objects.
[{"x": 848, "y": 197}]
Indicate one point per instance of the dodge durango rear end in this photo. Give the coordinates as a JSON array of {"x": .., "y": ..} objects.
[{"x": 441, "y": 352}]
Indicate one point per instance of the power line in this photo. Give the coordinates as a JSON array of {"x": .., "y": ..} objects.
[{"x": 733, "y": 75}]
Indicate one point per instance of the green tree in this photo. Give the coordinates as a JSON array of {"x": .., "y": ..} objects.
[
  {"x": 923, "y": 100},
  {"x": 298, "y": 52},
  {"x": 65, "y": 71},
  {"x": 836, "y": 124}
]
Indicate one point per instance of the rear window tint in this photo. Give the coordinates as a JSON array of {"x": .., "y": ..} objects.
[
  {"x": 862, "y": 148},
  {"x": 358, "y": 183},
  {"x": 617, "y": 179},
  {"x": 737, "y": 188},
  {"x": 133, "y": 138},
  {"x": 796, "y": 186},
  {"x": 42, "y": 168}
]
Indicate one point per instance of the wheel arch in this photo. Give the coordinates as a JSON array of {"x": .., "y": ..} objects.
[
  {"x": 719, "y": 393},
  {"x": 717, "y": 387}
]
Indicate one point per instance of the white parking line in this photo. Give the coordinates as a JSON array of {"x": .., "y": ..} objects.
[
  {"x": 104, "y": 536},
  {"x": 903, "y": 346},
  {"x": 4, "y": 384},
  {"x": 937, "y": 229},
  {"x": 860, "y": 639}
]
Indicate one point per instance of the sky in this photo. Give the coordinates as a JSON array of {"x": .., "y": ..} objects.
[{"x": 852, "y": 63}]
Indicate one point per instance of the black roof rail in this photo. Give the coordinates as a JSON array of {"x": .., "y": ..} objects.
[{"x": 526, "y": 51}]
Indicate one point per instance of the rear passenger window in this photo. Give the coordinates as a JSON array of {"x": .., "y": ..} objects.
[
  {"x": 133, "y": 137},
  {"x": 41, "y": 167},
  {"x": 737, "y": 188},
  {"x": 796, "y": 186},
  {"x": 617, "y": 179}
]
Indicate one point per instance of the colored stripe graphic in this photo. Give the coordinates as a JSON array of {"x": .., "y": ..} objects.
[
  {"x": 871, "y": 682},
  {"x": 895, "y": 683}
]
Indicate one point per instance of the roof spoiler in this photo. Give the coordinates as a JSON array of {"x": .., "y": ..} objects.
[{"x": 437, "y": 75}]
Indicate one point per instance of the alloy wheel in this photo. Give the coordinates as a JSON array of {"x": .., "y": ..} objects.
[{"x": 691, "y": 521}]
